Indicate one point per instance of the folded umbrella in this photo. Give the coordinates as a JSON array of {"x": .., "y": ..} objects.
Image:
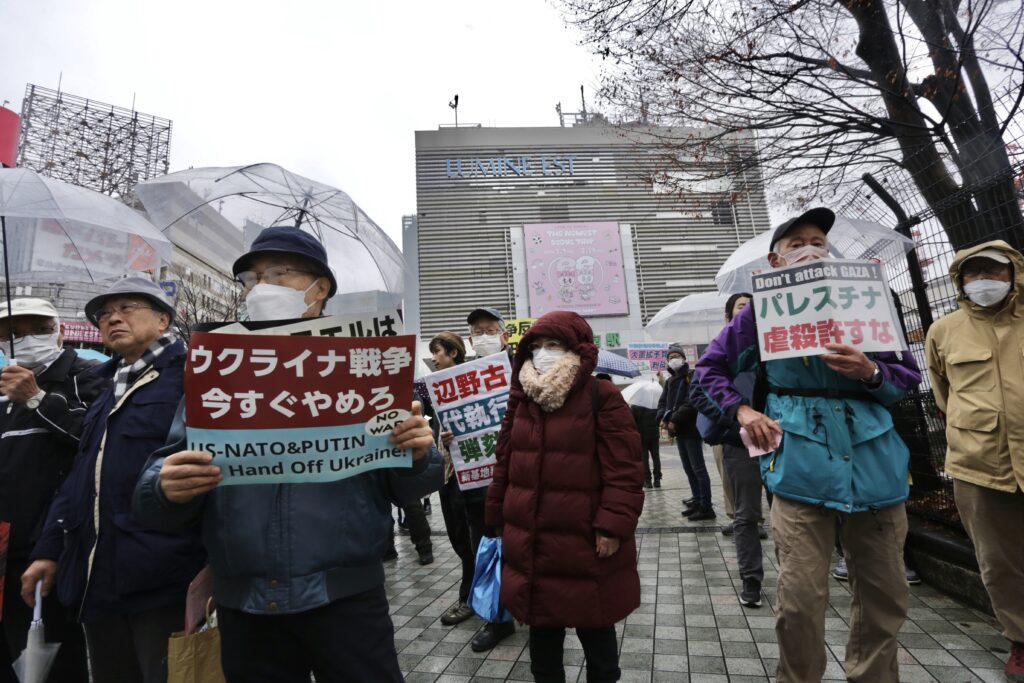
[{"x": 33, "y": 666}]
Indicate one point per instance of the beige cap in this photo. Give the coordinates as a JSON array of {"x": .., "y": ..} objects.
[
  {"x": 30, "y": 307},
  {"x": 993, "y": 254}
]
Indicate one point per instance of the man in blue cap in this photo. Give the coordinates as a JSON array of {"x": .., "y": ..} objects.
[
  {"x": 298, "y": 575},
  {"x": 127, "y": 583}
]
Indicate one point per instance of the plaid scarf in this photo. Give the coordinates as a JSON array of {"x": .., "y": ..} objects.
[{"x": 127, "y": 374}]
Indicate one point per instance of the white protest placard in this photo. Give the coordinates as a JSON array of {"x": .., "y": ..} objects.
[
  {"x": 801, "y": 308},
  {"x": 371, "y": 324},
  {"x": 649, "y": 356},
  {"x": 470, "y": 402}
]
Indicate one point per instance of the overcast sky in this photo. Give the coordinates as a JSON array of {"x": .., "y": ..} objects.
[{"x": 332, "y": 90}]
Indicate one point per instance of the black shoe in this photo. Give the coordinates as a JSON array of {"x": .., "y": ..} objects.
[
  {"x": 700, "y": 515},
  {"x": 729, "y": 529},
  {"x": 688, "y": 502},
  {"x": 690, "y": 510},
  {"x": 762, "y": 533},
  {"x": 657, "y": 483},
  {"x": 426, "y": 507},
  {"x": 427, "y": 558},
  {"x": 647, "y": 484},
  {"x": 390, "y": 555},
  {"x": 750, "y": 596},
  {"x": 490, "y": 635},
  {"x": 456, "y": 614}
]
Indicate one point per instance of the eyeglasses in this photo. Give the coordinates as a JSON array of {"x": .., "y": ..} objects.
[
  {"x": 478, "y": 331},
  {"x": 975, "y": 267},
  {"x": 103, "y": 315},
  {"x": 272, "y": 276},
  {"x": 42, "y": 329}
]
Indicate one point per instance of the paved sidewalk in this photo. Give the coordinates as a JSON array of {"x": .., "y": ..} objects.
[{"x": 690, "y": 626}]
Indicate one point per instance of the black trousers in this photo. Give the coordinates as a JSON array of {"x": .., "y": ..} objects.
[
  {"x": 650, "y": 448},
  {"x": 419, "y": 528},
  {"x": 351, "y": 640},
  {"x": 600, "y": 646},
  {"x": 70, "y": 664},
  {"x": 456, "y": 523},
  {"x": 132, "y": 648}
]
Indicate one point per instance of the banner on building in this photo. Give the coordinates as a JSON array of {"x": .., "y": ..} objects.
[
  {"x": 575, "y": 267},
  {"x": 649, "y": 356},
  {"x": 470, "y": 401},
  {"x": 78, "y": 331},
  {"x": 296, "y": 409},
  {"x": 802, "y": 308}
]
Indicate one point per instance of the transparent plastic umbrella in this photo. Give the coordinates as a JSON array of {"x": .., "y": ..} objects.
[
  {"x": 33, "y": 666},
  {"x": 694, "y": 319},
  {"x": 645, "y": 394},
  {"x": 849, "y": 238},
  {"x": 219, "y": 211}
]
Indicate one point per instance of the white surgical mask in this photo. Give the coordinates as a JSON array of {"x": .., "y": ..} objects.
[
  {"x": 486, "y": 344},
  {"x": 805, "y": 253},
  {"x": 986, "y": 292},
  {"x": 545, "y": 359},
  {"x": 276, "y": 302},
  {"x": 675, "y": 363},
  {"x": 33, "y": 350}
]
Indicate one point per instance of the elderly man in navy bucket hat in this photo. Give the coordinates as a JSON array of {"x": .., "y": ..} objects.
[
  {"x": 298, "y": 571},
  {"x": 127, "y": 582}
]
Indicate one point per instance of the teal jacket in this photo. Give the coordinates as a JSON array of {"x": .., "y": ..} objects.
[{"x": 840, "y": 453}]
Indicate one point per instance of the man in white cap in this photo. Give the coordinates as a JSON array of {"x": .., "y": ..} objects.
[
  {"x": 45, "y": 397},
  {"x": 977, "y": 370}
]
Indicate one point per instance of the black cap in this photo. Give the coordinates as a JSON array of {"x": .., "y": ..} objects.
[
  {"x": 285, "y": 239},
  {"x": 478, "y": 313},
  {"x": 677, "y": 348},
  {"x": 138, "y": 286},
  {"x": 819, "y": 216}
]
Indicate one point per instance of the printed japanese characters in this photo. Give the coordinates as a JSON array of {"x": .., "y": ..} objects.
[
  {"x": 470, "y": 401},
  {"x": 297, "y": 409},
  {"x": 802, "y": 308},
  {"x": 649, "y": 356}
]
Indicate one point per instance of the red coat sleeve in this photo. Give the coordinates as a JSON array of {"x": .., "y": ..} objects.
[
  {"x": 622, "y": 471},
  {"x": 496, "y": 491}
]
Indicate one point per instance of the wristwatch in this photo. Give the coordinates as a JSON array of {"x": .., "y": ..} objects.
[
  {"x": 34, "y": 402},
  {"x": 876, "y": 377}
]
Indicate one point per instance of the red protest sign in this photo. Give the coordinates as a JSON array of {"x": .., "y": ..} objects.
[{"x": 268, "y": 382}]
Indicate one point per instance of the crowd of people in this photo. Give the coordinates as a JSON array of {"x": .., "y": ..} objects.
[{"x": 114, "y": 516}]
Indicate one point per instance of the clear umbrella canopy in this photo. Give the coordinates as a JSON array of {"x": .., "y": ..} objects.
[
  {"x": 65, "y": 233},
  {"x": 219, "y": 211},
  {"x": 644, "y": 393},
  {"x": 694, "y": 319},
  {"x": 849, "y": 238}
]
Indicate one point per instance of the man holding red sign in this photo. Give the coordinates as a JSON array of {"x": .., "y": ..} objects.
[{"x": 299, "y": 581}]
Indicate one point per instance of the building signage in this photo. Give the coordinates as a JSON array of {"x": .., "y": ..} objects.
[{"x": 511, "y": 167}]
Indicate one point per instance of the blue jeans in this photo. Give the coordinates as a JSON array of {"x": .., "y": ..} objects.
[{"x": 691, "y": 452}]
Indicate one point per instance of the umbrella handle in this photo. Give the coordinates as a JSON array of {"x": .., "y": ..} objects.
[{"x": 37, "y": 611}]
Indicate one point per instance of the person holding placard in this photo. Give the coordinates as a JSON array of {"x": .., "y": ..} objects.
[
  {"x": 299, "y": 580},
  {"x": 832, "y": 451},
  {"x": 977, "y": 372}
]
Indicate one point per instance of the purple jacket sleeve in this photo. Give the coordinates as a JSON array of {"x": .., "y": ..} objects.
[
  {"x": 900, "y": 374},
  {"x": 733, "y": 351}
]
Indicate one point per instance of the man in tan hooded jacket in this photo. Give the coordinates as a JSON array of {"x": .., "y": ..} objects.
[{"x": 976, "y": 362}]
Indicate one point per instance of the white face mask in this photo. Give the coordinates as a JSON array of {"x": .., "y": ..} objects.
[
  {"x": 675, "y": 363},
  {"x": 33, "y": 350},
  {"x": 545, "y": 359},
  {"x": 805, "y": 253},
  {"x": 276, "y": 302},
  {"x": 486, "y": 344},
  {"x": 986, "y": 292}
]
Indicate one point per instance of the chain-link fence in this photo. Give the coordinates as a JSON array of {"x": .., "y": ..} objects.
[{"x": 926, "y": 293}]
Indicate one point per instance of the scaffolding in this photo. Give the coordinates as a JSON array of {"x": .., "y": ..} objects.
[{"x": 91, "y": 144}]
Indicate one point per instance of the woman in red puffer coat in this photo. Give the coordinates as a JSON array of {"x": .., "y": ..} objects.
[{"x": 567, "y": 493}]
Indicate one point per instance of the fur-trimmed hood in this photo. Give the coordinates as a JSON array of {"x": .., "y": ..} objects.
[{"x": 569, "y": 328}]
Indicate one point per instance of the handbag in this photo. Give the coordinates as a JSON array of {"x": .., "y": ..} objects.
[
  {"x": 485, "y": 592},
  {"x": 195, "y": 657}
]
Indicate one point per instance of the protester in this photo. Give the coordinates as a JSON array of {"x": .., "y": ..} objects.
[
  {"x": 650, "y": 444},
  {"x": 126, "y": 582},
  {"x": 840, "y": 456},
  {"x": 974, "y": 361},
  {"x": 679, "y": 419},
  {"x": 45, "y": 398},
  {"x": 448, "y": 350},
  {"x": 488, "y": 336},
  {"x": 566, "y": 496},
  {"x": 299, "y": 582}
]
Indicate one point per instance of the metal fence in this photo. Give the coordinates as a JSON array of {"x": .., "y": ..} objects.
[{"x": 923, "y": 282}]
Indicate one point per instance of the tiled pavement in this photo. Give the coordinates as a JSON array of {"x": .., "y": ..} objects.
[{"x": 689, "y": 626}]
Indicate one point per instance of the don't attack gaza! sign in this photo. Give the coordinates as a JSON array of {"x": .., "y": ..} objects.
[
  {"x": 297, "y": 409},
  {"x": 802, "y": 308}
]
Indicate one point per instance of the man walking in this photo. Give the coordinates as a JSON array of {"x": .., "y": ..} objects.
[
  {"x": 840, "y": 456},
  {"x": 45, "y": 398},
  {"x": 977, "y": 372}
]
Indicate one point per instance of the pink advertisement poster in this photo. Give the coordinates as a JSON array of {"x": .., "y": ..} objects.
[{"x": 575, "y": 267}]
